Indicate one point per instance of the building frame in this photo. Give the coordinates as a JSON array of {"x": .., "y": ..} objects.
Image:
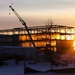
[{"x": 44, "y": 37}]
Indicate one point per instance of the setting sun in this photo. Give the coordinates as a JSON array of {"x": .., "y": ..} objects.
[{"x": 74, "y": 45}]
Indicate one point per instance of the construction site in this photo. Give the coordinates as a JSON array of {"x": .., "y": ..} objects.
[
  {"x": 37, "y": 49},
  {"x": 54, "y": 37},
  {"x": 46, "y": 43},
  {"x": 59, "y": 39}
]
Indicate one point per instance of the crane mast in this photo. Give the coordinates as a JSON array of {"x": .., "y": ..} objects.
[{"x": 23, "y": 23}]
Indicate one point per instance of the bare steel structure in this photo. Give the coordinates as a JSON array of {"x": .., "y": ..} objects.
[{"x": 54, "y": 37}]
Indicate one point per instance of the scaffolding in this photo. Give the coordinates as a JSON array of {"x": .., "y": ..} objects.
[{"x": 43, "y": 36}]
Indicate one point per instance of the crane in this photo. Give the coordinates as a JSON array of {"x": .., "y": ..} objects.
[{"x": 23, "y": 23}]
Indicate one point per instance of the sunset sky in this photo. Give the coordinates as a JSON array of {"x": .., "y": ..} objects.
[{"x": 36, "y": 12}]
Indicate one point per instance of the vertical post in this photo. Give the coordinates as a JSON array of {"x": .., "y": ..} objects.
[
  {"x": 50, "y": 48},
  {"x": 24, "y": 59},
  {"x": 51, "y": 64}
]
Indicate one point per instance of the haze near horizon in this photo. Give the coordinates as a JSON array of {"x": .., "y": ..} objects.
[{"x": 34, "y": 12}]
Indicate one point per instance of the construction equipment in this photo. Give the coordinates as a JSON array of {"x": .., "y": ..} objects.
[{"x": 23, "y": 23}]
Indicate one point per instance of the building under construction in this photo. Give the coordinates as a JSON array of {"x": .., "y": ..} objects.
[{"x": 57, "y": 38}]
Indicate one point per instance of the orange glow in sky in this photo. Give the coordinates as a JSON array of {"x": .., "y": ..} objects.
[
  {"x": 34, "y": 12},
  {"x": 74, "y": 45}
]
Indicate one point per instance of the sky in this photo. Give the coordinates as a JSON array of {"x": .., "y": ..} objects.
[{"x": 37, "y": 12}]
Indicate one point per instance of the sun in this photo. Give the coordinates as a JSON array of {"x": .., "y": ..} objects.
[{"x": 74, "y": 45}]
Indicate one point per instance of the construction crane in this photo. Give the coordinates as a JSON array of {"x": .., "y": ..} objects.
[{"x": 23, "y": 23}]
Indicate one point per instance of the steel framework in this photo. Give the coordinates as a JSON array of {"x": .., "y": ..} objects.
[{"x": 42, "y": 36}]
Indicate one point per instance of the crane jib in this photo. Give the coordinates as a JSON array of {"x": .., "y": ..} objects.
[
  {"x": 23, "y": 23},
  {"x": 11, "y": 8}
]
